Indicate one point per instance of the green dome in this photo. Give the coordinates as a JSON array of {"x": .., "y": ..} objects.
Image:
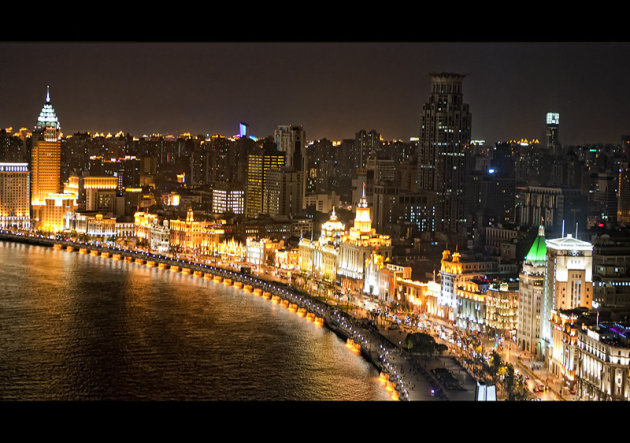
[{"x": 538, "y": 252}]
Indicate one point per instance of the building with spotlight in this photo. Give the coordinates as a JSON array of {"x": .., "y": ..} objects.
[
  {"x": 320, "y": 257},
  {"x": 45, "y": 159},
  {"x": 568, "y": 285},
  {"x": 194, "y": 236},
  {"x": 358, "y": 245}
]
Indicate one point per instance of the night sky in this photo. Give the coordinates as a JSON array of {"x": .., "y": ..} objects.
[{"x": 332, "y": 89}]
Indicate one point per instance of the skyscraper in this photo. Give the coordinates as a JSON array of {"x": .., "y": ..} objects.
[
  {"x": 531, "y": 288},
  {"x": 553, "y": 126},
  {"x": 291, "y": 139},
  {"x": 45, "y": 157},
  {"x": 444, "y": 137},
  {"x": 259, "y": 194},
  {"x": 568, "y": 285}
]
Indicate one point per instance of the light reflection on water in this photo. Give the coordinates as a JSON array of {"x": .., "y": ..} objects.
[{"x": 80, "y": 327}]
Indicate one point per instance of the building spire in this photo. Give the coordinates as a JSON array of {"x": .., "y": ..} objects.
[{"x": 47, "y": 94}]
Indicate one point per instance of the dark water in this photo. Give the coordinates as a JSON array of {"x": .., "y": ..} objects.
[{"x": 79, "y": 327}]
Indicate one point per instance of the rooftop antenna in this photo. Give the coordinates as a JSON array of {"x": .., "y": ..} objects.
[
  {"x": 576, "y": 229},
  {"x": 562, "y": 228}
]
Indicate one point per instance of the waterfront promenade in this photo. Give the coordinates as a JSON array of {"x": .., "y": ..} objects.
[{"x": 408, "y": 377}]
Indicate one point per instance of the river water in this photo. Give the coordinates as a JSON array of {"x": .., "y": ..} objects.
[{"x": 80, "y": 327}]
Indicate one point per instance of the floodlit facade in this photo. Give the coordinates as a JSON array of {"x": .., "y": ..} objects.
[
  {"x": 568, "y": 285},
  {"x": 454, "y": 271},
  {"x": 55, "y": 209},
  {"x": 45, "y": 159},
  {"x": 320, "y": 257},
  {"x": 15, "y": 208},
  {"x": 603, "y": 362},
  {"x": 194, "y": 235},
  {"x": 359, "y": 243},
  {"x": 531, "y": 291}
]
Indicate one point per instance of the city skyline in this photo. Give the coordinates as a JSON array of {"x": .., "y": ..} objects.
[{"x": 333, "y": 90}]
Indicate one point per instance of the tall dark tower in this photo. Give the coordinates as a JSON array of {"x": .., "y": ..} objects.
[
  {"x": 553, "y": 126},
  {"x": 444, "y": 138}
]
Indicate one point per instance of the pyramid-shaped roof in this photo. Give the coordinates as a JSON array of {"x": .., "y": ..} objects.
[{"x": 538, "y": 252}]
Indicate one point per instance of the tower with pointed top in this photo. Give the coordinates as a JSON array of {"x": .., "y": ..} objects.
[
  {"x": 45, "y": 158},
  {"x": 531, "y": 290},
  {"x": 360, "y": 243}
]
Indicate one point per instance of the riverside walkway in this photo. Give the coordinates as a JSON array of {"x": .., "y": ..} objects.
[{"x": 413, "y": 379}]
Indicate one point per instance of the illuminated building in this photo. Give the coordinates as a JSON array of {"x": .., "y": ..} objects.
[
  {"x": 502, "y": 309},
  {"x": 191, "y": 235},
  {"x": 291, "y": 140},
  {"x": 227, "y": 199},
  {"x": 381, "y": 279},
  {"x": 611, "y": 270},
  {"x": 568, "y": 285},
  {"x": 444, "y": 137},
  {"x": 72, "y": 186},
  {"x": 143, "y": 221},
  {"x": 415, "y": 293},
  {"x": 455, "y": 270},
  {"x": 555, "y": 206},
  {"x": 45, "y": 158},
  {"x": 100, "y": 193},
  {"x": 262, "y": 252},
  {"x": 470, "y": 312},
  {"x": 56, "y": 207},
  {"x": 359, "y": 243},
  {"x": 257, "y": 198},
  {"x": 531, "y": 290},
  {"x": 160, "y": 236},
  {"x": 623, "y": 195},
  {"x": 320, "y": 257},
  {"x": 15, "y": 208},
  {"x": 232, "y": 249},
  {"x": 91, "y": 224},
  {"x": 553, "y": 127},
  {"x": 602, "y": 370}
]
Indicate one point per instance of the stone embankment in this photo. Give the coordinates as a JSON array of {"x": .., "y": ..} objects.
[{"x": 406, "y": 379}]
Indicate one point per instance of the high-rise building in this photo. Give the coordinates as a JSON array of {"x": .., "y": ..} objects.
[
  {"x": 259, "y": 195},
  {"x": 291, "y": 140},
  {"x": 15, "y": 208},
  {"x": 553, "y": 127},
  {"x": 366, "y": 143},
  {"x": 46, "y": 155},
  {"x": 623, "y": 195},
  {"x": 531, "y": 289},
  {"x": 444, "y": 138},
  {"x": 568, "y": 285}
]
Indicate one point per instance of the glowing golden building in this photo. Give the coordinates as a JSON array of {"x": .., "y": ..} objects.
[
  {"x": 320, "y": 257},
  {"x": 191, "y": 235},
  {"x": 359, "y": 243},
  {"x": 15, "y": 208},
  {"x": 53, "y": 211},
  {"x": 45, "y": 157}
]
